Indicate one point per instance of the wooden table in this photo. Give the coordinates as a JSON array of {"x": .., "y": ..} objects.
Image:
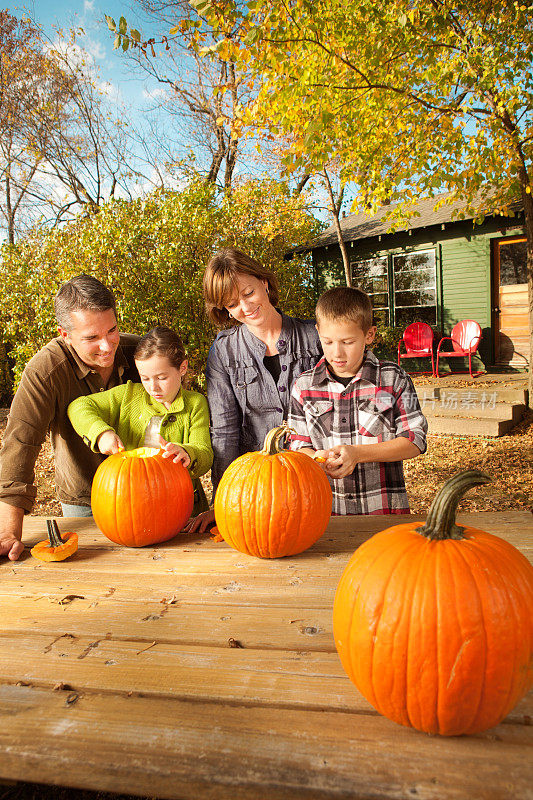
[{"x": 189, "y": 670}]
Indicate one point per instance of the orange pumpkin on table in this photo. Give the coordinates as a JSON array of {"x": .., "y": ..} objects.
[
  {"x": 139, "y": 498},
  {"x": 434, "y": 623},
  {"x": 274, "y": 502}
]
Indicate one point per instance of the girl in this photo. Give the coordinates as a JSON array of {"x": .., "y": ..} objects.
[{"x": 158, "y": 412}]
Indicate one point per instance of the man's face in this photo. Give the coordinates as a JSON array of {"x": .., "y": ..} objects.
[{"x": 94, "y": 335}]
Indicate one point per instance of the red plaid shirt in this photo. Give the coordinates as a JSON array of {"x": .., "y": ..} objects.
[{"x": 379, "y": 404}]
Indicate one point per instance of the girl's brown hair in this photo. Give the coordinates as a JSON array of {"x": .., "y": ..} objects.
[
  {"x": 220, "y": 281},
  {"x": 164, "y": 342}
]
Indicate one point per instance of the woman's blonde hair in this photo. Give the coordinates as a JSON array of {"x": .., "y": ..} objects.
[{"x": 220, "y": 282}]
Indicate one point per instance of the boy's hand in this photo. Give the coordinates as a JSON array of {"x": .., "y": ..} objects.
[
  {"x": 109, "y": 443},
  {"x": 175, "y": 452},
  {"x": 340, "y": 460},
  {"x": 320, "y": 456}
]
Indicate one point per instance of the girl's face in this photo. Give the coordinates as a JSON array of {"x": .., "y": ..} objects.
[{"x": 160, "y": 378}]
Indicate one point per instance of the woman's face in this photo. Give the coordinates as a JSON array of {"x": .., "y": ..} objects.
[{"x": 250, "y": 304}]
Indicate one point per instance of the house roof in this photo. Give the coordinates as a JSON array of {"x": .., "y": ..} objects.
[{"x": 364, "y": 226}]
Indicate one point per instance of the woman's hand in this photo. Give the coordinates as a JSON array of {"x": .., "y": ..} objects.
[
  {"x": 109, "y": 443},
  {"x": 200, "y": 523},
  {"x": 175, "y": 452}
]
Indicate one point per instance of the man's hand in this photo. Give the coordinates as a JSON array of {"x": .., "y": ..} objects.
[
  {"x": 109, "y": 443},
  {"x": 11, "y": 531},
  {"x": 175, "y": 452}
]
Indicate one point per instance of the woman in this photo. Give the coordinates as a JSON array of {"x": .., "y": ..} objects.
[{"x": 251, "y": 366}]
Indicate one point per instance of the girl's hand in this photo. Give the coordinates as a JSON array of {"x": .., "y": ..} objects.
[
  {"x": 200, "y": 523},
  {"x": 109, "y": 443},
  {"x": 175, "y": 452}
]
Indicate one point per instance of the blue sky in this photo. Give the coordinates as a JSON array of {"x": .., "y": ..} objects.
[
  {"x": 97, "y": 40},
  {"x": 125, "y": 86}
]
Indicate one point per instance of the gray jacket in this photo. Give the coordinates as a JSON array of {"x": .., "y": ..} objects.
[{"x": 244, "y": 400}]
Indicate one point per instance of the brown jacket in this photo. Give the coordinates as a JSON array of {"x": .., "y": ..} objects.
[{"x": 51, "y": 380}]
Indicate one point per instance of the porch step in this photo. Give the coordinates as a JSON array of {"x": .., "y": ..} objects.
[
  {"x": 452, "y": 408},
  {"x": 490, "y": 410},
  {"x": 487, "y": 395},
  {"x": 469, "y": 426}
]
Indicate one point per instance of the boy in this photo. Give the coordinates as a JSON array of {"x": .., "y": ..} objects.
[{"x": 359, "y": 414}]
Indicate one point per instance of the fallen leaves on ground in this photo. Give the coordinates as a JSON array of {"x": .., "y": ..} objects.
[{"x": 507, "y": 459}]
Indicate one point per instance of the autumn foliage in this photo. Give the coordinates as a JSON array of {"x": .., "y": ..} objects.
[{"x": 153, "y": 252}]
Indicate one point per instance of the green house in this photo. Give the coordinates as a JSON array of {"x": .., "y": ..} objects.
[{"x": 438, "y": 269}]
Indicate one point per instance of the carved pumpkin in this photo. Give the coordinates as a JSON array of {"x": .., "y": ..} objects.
[
  {"x": 140, "y": 498},
  {"x": 433, "y": 623},
  {"x": 273, "y": 502}
]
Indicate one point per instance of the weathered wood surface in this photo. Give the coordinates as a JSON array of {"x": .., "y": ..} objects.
[{"x": 116, "y": 673}]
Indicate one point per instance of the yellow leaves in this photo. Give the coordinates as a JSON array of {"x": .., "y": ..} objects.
[{"x": 528, "y": 189}]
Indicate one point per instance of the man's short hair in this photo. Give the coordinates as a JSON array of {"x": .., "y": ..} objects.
[
  {"x": 82, "y": 293},
  {"x": 345, "y": 302}
]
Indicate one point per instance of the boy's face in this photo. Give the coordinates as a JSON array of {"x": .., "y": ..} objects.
[{"x": 344, "y": 342}]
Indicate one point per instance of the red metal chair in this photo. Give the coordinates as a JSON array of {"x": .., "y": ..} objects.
[
  {"x": 418, "y": 341},
  {"x": 465, "y": 339}
]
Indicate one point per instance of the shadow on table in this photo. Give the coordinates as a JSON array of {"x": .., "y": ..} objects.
[{"x": 39, "y": 791}]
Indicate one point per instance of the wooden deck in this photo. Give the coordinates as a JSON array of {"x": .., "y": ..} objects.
[{"x": 189, "y": 670}]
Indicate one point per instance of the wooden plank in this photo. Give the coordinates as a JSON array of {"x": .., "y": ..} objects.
[
  {"x": 339, "y": 528},
  {"x": 281, "y": 679},
  {"x": 337, "y": 544},
  {"x": 173, "y": 749},
  {"x": 249, "y": 676},
  {"x": 263, "y": 627},
  {"x": 293, "y": 589}
]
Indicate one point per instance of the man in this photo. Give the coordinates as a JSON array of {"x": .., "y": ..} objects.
[{"x": 89, "y": 355}]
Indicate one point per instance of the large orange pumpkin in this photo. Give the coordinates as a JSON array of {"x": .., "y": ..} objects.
[
  {"x": 273, "y": 503},
  {"x": 434, "y": 623},
  {"x": 140, "y": 498}
]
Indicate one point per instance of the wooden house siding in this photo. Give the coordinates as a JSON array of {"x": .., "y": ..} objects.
[
  {"x": 464, "y": 268},
  {"x": 466, "y": 293}
]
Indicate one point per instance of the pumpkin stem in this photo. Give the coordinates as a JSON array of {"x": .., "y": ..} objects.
[
  {"x": 54, "y": 537},
  {"x": 440, "y": 522},
  {"x": 273, "y": 437}
]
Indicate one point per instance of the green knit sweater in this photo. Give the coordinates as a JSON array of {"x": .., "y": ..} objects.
[{"x": 127, "y": 409}]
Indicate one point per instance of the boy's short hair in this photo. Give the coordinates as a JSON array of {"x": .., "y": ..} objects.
[
  {"x": 82, "y": 293},
  {"x": 220, "y": 281},
  {"x": 347, "y": 303},
  {"x": 161, "y": 341}
]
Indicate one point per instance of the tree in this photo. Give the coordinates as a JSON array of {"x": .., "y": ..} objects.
[
  {"x": 21, "y": 65},
  {"x": 153, "y": 252},
  {"x": 412, "y": 97},
  {"x": 206, "y": 93},
  {"x": 59, "y": 149}
]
